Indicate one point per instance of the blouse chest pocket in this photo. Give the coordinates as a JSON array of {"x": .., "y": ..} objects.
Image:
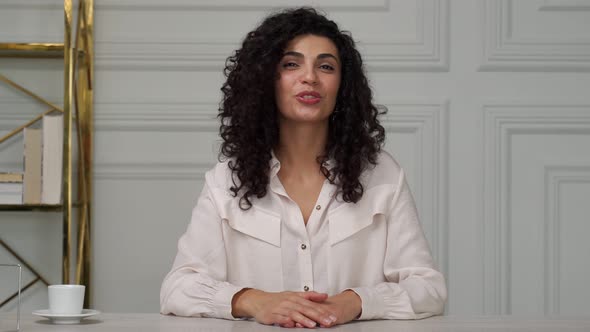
[
  {"x": 358, "y": 239},
  {"x": 253, "y": 244},
  {"x": 351, "y": 218},
  {"x": 256, "y": 224}
]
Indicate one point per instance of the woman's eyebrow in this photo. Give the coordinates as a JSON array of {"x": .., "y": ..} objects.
[
  {"x": 319, "y": 57},
  {"x": 293, "y": 53},
  {"x": 328, "y": 55}
]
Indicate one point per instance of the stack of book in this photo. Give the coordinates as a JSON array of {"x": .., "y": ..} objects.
[{"x": 41, "y": 180}]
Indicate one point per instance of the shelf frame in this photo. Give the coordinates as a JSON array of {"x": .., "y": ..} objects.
[
  {"x": 32, "y": 50},
  {"x": 77, "y": 52}
]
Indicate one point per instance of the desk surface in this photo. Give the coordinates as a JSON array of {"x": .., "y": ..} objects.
[{"x": 156, "y": 322}]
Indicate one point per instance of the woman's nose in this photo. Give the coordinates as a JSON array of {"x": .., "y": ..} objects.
[{"x": 309, "y": 76}]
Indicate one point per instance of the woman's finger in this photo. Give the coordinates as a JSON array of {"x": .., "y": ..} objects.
[
  {"x": 292, "y": 311},
  {"x": 298, "y": 317},
  {"x": 313, "y": 296},
  {"x": 314, "y": 311}
]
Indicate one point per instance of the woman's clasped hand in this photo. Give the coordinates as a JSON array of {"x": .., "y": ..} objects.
[{"x": 297, "y": 309}]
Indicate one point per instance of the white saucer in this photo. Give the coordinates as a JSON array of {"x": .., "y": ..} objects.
[{"x": 66, "y": 318}]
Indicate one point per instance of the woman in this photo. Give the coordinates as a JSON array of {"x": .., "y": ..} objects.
[{"x": 306, "y": 222}]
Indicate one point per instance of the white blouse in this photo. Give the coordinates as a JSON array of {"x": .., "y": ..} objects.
[{"x": 375, "y": 248}]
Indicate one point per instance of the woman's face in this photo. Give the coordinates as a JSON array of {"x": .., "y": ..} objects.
[{"x": 309, "y": 78}]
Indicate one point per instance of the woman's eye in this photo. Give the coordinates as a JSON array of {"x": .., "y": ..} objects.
[
  {"x": 289, "y": 65},
  {"x": 327, "y": 67}
]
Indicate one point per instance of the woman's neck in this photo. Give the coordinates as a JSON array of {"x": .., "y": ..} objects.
[{"x": 300, "y": 146}]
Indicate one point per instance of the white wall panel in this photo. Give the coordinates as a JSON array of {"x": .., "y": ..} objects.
[
  {"x": 417, "y": 37},
  {"x": 521, "y": 142},
  {"x": 572, "y": 292},
  {"x": 417, "y": 138},
  {"x": 565, "y": 5},
  {"x": 142, "y": 218},
  {"x": 163, "y": 116},
  {"x": 567, "y": 192},
  {"x": 518, "y": 36}
]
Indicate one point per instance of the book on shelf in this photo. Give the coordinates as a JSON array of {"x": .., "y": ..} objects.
[
  {"x": 32, "y": 165},
  {"x": 52, "y": 160},
  {"x": 11, "y": 188}
]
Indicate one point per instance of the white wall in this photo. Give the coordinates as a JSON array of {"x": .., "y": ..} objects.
[{"x": 489, "y": 112}]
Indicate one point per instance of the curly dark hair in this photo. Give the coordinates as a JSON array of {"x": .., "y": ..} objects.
[{"x": 249, "y": 118}]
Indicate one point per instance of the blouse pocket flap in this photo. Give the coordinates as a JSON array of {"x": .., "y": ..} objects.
[
  {"x": 257, "y": 224},
  {"x": 350, "y": 218}
]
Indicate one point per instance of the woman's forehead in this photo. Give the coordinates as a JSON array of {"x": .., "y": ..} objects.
[{"x": 312, "y": 43}]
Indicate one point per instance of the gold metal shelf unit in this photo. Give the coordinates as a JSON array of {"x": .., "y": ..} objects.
[
  {"x": 78, "y": 56},
  {"x": 31, "y": 207},
  {"x": 31, "y": 50}
]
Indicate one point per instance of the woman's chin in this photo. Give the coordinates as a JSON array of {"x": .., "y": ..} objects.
[{"x": 307, "y": 116}]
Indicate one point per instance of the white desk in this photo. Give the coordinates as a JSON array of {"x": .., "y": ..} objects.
[{"x": 156, "y": 322}]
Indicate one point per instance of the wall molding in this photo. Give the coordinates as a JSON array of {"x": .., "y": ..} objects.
[
  {"x": 127, "y": 116},
  {"x": 556, "y": 176},
  {"x": 501, "y": 121},
  {"x": 150, "y": 171},
  {"x": 157, "y": 116},
  {"x": 33, "y": 4},
  {"x": 177, "y": 55},
  {"x": 403, "y": 116},
  {"x": 502, "y": 51},
  {"x": 428, "y": 122},
  {"x": 565, "y": 5},
  {"x": 428, "y": 52}
]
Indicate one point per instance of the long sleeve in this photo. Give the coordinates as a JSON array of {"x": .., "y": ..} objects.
[
  {"x": 195, "y": 286},
  {"x": 415, "y": 289}
]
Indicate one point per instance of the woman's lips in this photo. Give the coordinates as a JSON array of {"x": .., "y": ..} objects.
[{"x": 308, "y": 97}]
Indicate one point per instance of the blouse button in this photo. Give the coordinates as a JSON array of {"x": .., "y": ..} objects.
[
  {"x": 305, "y": 288},
  {"x": 303, "y": 246},
  {"x": 318, "y": 207}
]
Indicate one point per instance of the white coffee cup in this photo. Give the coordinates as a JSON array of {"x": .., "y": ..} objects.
[{"x": 66, "y": 299}]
